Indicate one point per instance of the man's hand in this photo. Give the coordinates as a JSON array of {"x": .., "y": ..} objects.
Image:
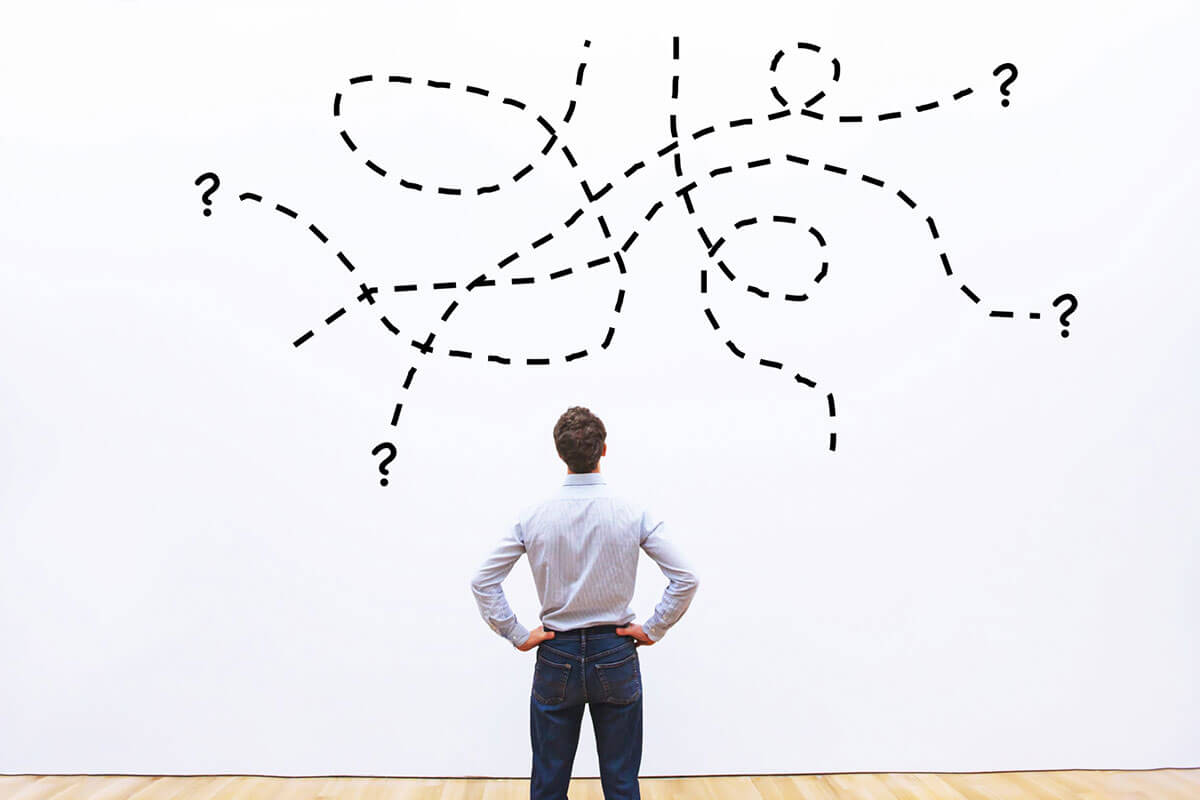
[
  {"x": 635, "y": 630},
  {"x": 536, "y": 637}
]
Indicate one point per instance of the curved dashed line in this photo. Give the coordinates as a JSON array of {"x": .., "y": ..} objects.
[
  {"x": 778, "y": 57},
  {"x": 712, "y": 248},
  {"x": 473, "y": 91}
]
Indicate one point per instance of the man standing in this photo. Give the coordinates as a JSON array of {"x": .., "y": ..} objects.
[{"x": 583, "y": 545}]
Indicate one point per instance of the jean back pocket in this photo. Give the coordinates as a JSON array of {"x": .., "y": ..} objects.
[
  {"x": 622, "y": 680},
  {"x": 550, "y": 680}
]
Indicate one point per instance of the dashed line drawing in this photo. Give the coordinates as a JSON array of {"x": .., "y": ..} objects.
[{"x": 685, "y": 199}]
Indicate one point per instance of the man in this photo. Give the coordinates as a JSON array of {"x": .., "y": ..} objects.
[{"x": 583, "y": 545}]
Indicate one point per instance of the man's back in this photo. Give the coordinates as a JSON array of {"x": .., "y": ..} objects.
[{"x": 583, "y": 546}]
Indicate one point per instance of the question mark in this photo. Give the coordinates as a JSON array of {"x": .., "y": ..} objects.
[
  {"x": 208, "y": 192},
  {"x": 1004, "y": 84},
  {"x": 1072, "y": 305},
  {"x": 383, "y": 467}
]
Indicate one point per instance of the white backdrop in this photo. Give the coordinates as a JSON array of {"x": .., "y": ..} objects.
[{"x": 994, "y": 570}]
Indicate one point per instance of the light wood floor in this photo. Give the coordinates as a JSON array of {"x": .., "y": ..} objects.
[{"x": 1160, "y": 784}]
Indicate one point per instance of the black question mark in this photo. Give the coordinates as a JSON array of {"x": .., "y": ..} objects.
[
  {"x": 1073, "y": 304},
  {"x": 1004, "y": 84},
  {"x": 383, "y": 467},
  {"x": 208, "y": 192}
]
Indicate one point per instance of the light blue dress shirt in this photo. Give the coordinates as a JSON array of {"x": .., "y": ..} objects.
[{"x": 583, "y": 545}]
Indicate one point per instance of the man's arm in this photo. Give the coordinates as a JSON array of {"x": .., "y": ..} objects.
[
  {"x": 493, "y": 606},
  {"x": 683, "y": 581}
]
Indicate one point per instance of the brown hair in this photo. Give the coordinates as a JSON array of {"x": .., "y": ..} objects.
[{"x": 579, "y": 438}]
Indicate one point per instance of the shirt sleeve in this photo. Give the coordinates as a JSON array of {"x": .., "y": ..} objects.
[
  {"x": 489, "y": 596},
  {"x": 682, "y": 579}
]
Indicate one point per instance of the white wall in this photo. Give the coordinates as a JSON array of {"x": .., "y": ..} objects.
[{"x": 995, "y": 570}]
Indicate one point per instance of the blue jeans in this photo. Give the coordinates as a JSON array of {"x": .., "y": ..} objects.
[{"x": 599, "y": 667}]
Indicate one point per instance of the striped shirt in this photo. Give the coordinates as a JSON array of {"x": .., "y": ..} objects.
[{"x": 583, "y": 545}]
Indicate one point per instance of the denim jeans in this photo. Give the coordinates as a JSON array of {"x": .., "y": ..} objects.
[{"x": 599, "y": 667}]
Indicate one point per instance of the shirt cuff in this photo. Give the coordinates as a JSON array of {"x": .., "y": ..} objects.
[
  {"x": 651, "y": 632},
  {"x": 519, "y": 635}
]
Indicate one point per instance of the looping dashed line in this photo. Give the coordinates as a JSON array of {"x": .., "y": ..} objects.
[
  {"x": 713, "y": 247},
  {"x": 473, "y": 91},
  {"x": 779, "y": 98}
]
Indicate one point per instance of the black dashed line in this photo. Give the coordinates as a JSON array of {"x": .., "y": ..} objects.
[
  {"x": 933, "y": 231},
  {"x": 620, "y": 262},
  {"x": 734, "y": 349},
  {"x": 850, "y": 118},
  {"x": 537, "y": 361},
  {"x": 629, "y": 242},
  {"x": 579, "y": 354},
  {"x": 488, "y": 189},
  {"x": 499, "y": 360},
  {"x": 928, "y": 106},
  {"x": 757, "y": 291},
  {"x": 329, "y": 320},
  {"x": 407, "y": 184},
  {"x": 787, "y": 112},
  {"x": 396, "y": 414},
  {"x": 449, "y": 310},
  {"x": 303, "y": 338},
  {"x": 449, "y": 190},
  {"x": 781, "y": 218},
  {"x": 508, "y": 260},
  {"x": 561, "y": 273},
  {"x": 814, "y": 114},
  {"x": 720, "y": 171},
  {"x": 741, "y": 223},
  {"x": 668, "y": 149},
  {"x": 508, "y": 101},
  {"x": 604, "y": 227},
  {"x": 796, "y": 159},
  {"x": 362, "y": 79},
  {"x": 608, "y": 338},
  {"x": 401, "y": 79},
  {"x": 570, "y": 111},
  {"x": 945, "y": 263},
  {"x": 459, "y": 353},
  {"x": 768, "y": 363},
  {"x": 287, "y": 212},
  {"x": 342, "y": 258},
  {"x": 653, "y": 210},
  {"x": 337, "y": 104},
  {"x": 795, "y": 297},
  {"x": 959, "y": 95},
  {"x": 444, "y": 285},
  {"x": 598, "y": 261},
  {"x": 566, "y": 151},
  {"x": 574, "y": 217},
  {"x": 908, "y": 201},
  {"x": 620, "y": 300},
  {"x": 521, "y": 173},
  {"x": 712, "y": 320},
  {"x": 542, "y": 240},
  {"x": 726, "y": 270},
  {"x": 477, "y": 90},
  {"x": 703, "y": 132},
  {"x": 250, "y": 196},
  {"x": 872, "y": 181},
  {"x": 889, "y": 115},
  {"x": 629, "y": 172},
  {"x": 974, "y": 297},
  {"x": 439, "y": 84},
  {"x": 737, "y": 123},
  {"x": 387, "y": 323},
  {"x": 522, "y": 281},
  {"x": 542, "y": 121},
  {"x": 817, "y": 235},
  {"x": 801, "y": 379},
  {"x": 832, "y": 412},
  {"x": 406, "y": 287},
  {"x": 835, "y": 169},
  {"x": 762, "y": 162},
  {"x": 317, "y": 233},
  {"x": 1006, "y": 314}
]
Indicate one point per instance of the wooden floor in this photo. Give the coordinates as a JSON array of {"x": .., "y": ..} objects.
[{"x": 1161, "y": 784}]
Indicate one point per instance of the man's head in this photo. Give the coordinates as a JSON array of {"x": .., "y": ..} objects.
[{"x": 579, "y": 438}]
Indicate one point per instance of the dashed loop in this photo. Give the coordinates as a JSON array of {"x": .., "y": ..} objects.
[
  {"x": 472, "y": 91},
  {"x": 713, "y": 248}
]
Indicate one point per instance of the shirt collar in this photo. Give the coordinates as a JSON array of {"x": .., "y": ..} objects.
[{"x": 578, "y": 479}]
